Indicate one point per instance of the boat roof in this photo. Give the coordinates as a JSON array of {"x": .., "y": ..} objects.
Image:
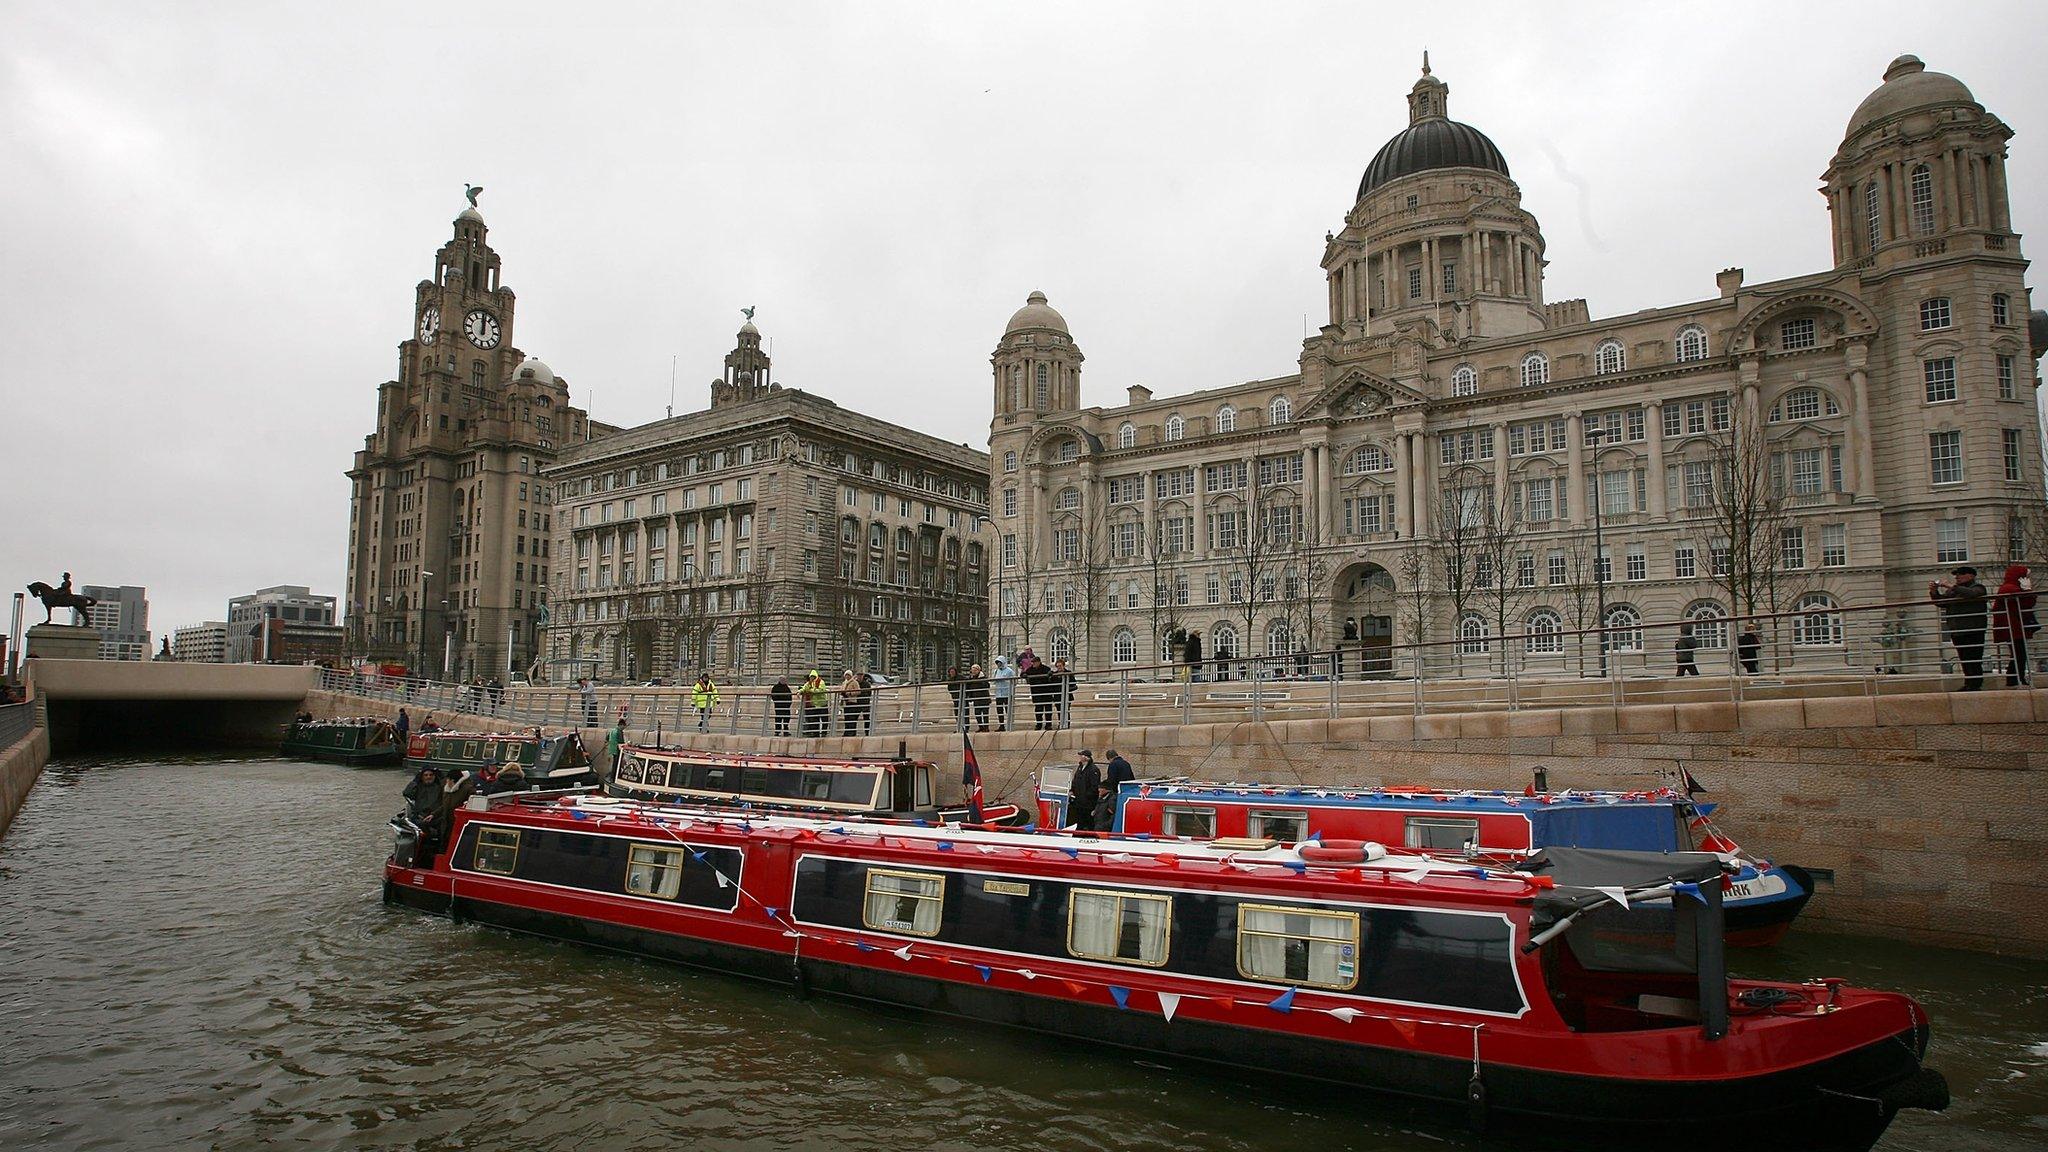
[
  {"x": 752, "y": 759},
  {"x": 453, "y": 734},
  {"x": 1480, "y": 800}
]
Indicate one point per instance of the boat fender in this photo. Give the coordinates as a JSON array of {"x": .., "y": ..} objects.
[
  {"x": 1475, "y": 1104},
  {"x": 1926, "y": 1088}
]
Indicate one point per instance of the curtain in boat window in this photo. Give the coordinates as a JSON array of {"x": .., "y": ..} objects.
[
  {"x": 905, "y": 902},
  {"x": 1297, "y": 947},
  {"x": 1120, "y": 926}
]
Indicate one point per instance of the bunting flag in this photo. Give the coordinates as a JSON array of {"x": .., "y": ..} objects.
[
  {"x": 1284, "y": 1002},
  {"x": 863, "y": 946},
  {"x": 1027, "y": 973},
  {"x": 1692, "y": 890},
  {"x": 1169, "y": 1003},
  {"x": 770, "y": 911},
  {"x": 943, "y": 846},
  {"x": 1415, "y": 877},
  {"x": 1072, "y": 853},
  {"x": 1074, "y": 986},
  {"x": 1615, "y": 894},
  {"x": 1347, "y": 1015},
  {"x": 986, "y": 849},
  {"x": 1692, "y": 785},
  {"x": 1120, "y": 858},
  {"x": 1404, "y": 1028},
  {"x": 902, "y": 953},
  {"x": 722, "y": 881},
  {"x": 970, "y": 778},
  {"x": 987, "y": 973},
  {"x": 1122, "y": 996}
]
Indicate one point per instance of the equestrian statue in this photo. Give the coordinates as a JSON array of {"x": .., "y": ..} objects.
[{"x": 61, "y": 597}]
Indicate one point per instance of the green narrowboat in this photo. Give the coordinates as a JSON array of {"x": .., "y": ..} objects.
[
  {"x": 360, "y": 741},
  {"x": 558, "y": 761}
]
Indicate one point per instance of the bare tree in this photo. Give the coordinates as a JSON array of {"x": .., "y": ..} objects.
[
  {"x": 1017, "y": 586},
  {"x": 1581, "y": 587},
  {"x": 1256, "y": 548},
  {"x": 1305, "y": 572},
  {"x": 1501, "y": 539},
  {"x": 1459, "y": 546},
  {"x": 1742, "y": 507},
  {"x": 764, "y": 597},
  {"x": 1165, "y": 610},
  {"x": 1416, "y": 565},
  {"x": 1091, "y": 576}
]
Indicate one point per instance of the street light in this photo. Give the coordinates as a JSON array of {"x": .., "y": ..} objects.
[{"x": 1594, "y": 436}]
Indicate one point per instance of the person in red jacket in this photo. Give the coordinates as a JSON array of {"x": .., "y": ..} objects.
[{"x": 2012, "y": 622}]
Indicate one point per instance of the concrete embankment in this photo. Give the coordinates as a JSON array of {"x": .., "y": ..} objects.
[
  {"x": 20, "y": 766},
  {"x": 1921, "y": 811}
]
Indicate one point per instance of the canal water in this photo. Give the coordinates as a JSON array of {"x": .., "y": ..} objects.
[{"x": 193, "y": 955}]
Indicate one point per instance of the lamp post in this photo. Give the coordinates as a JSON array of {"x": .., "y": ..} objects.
[
  {"x": 1594, "y": 436},
  {"x": 424, "y": 574}
]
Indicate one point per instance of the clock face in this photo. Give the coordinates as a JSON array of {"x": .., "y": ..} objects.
[
  {"x": 481, "y": 327},
  {"x": 430, "y": 324}
]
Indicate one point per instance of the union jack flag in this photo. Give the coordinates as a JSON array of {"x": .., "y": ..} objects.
[{"x": 970, "y": 779}]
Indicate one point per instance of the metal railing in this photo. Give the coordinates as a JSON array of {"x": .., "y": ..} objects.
[
  {"x": 16, "y": 721},
  {"x": 1834, "y": 651}
]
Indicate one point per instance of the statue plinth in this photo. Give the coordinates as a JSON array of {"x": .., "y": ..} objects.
[{"x": 62, "y": 642}]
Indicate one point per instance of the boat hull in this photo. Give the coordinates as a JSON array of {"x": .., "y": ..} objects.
[
  {"x": 387, "y": 756},
  {"x": 1839, "y": 1104}
]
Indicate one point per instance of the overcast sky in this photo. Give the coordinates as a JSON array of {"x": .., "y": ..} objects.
[{"x": 212, "y": 217}]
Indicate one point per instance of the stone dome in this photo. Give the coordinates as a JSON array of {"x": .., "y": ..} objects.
[
  {"x": 534, "y": 370},
  {"x": 748, "y": 329},
  {"x": 1908, "y": 86},
  {"x": 1427, "y": 145},
  {"x": 1035, "y": 313},
  {"x": 471, "y": 214}
]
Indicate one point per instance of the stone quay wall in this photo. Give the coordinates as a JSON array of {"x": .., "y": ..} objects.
[{"x": 1926, "y": 807}]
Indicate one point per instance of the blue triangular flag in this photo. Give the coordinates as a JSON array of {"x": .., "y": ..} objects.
[
  {"x": 771, "y": 912},
  {"x": 1692, "y": 890},
  {"x": 1031, "y": 827},
  {"x": 1283, "y": 1002},
  {"x": 922, "y": 823},
  {"x": 1072, "y": 853},
  {"x": 579, "y": 814},
  {"x": 697, "y": 856},
  {"x": 986, "y": 972},
  {"x": 1294, "y": 865},
  {"x": 864, "y": 947},
  {"x": 1122, "y": 996},
  {"x": 944, "y": 846}
]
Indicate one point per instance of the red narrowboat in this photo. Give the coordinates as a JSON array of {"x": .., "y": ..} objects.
[{"x": 895, "y": 787}]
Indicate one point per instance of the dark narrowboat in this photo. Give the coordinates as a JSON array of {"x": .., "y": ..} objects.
[
  {"x": 547, "y": 762},
  {"x": 888, "y": 788},
  {"x": 361, "y": 741},
  {"x": 1581, "y": 997}
]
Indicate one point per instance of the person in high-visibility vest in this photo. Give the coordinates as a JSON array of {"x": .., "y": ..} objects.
[
  {"x": 704, "y": 697},
  {"x": 815, "y": 696}
]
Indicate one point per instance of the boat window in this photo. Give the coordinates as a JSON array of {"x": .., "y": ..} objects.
[
  {"x": 469, "y": 750},
  {"x": 629, "y": 769},
  {"x": 754, "y": 780},
  {"x": 1126, "y": 927},
  {"x": 1445, "y": 833},
  {"x": 1180, "y": 820},
  {"x": 904, "y": 902},
  {"x": 712, "y": 777},
  {"x": 817, "y": 786},
  {"x": 657, "y": 773},
  {"x": 491, "y": 750},
  {"x": 854, "y": 788},
  {"x": 923, "y": 782},
  {"x": 1297, "y": 946},
  {"x": 497, "y": 850},
  {"x": 1286, "y": 825},
  {"x": 654, "y": 870}
]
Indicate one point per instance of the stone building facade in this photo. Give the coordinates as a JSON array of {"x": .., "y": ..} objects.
[
  {"x": 449, "y": 525},
  {"x": 772, "y": 533},
  {"x": 1451, "y": 439}
]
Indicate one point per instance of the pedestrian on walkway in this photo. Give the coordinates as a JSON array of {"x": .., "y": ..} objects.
[
  {"x": 1964, "y": 606},
  {"x": 1747, "y": 646},
  {"x": 1063, "y": 685},
  {"x": 817, "y": 704},
  {"x": 867, "y": 701},
  {"x": 704, "y": 698},
  {"x": 780, "y": 696},
  {"x": 1038, "y": 679},
  {"x": 1003, "y": 684},
  {"x": 589, "y": 701},
  {"x": 2013, "y": 624},
  {"x": 956, "y": 687},
  {"x": 1687, "y": 644},
  {"x": 1191, "y": 655},
  {"x": 849, "y": 703},
  {"x": 976, "y": 689}
]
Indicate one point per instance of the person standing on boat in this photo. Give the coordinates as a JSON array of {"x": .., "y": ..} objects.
[
  {"x": 1686, "y": 645},
  {"x": 780, "y": 696},
  {"x": 613, "y": 741},
  {"x": 704, "y": 698},
  {"x": 1117, "y": 772},
  {"x": 1085, "y": 793},
  {"x": 1004, "y": 686},
  {"x": 589, "y": 701},
  {"x": 401, "y": 726},
  {"x": 1964, "y": 604},
  {"x": 815, "y": 697},
  {"x": 2013, "y": 623}
]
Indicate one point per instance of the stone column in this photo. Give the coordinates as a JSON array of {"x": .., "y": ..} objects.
[
  {"x": 1326, "y": 507},
  {"x": 1200, "y": 532},
  {"x": 1419, "y": 484},
  {"x": 1655, "y": 431},
  {"x": 1575, "y": 466},
  {"x": 1404, "y": 511},
  {"x": 1951, "y": 214},
  {"x": 1856, "y": 458},
  {"x": 1500, "y": 468},
  {"x": 1151, "y": 528}
]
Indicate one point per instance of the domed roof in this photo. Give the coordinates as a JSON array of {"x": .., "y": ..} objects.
[
  {"x": 748, "y": 329},
  {"x": 1431, "y": 144},
  {"x": 1035, "y": 313},
  {"x": 471, "y": 213},
  {"x": 534, "y": 370},
  {"x": 1908, "y": 85}
]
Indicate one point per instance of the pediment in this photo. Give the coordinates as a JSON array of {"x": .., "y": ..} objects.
[{"x": 1358, "y": 393}]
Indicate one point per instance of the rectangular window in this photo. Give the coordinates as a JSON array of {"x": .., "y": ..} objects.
[
  {"x": 1805, "y": 471},
  {"x": 1672, "y": 420},
  {"x": 1939, "y": 374},
  {"x": 1695, "y": 417},
  {"x": 497, "y": 850},
  {"x": 1450, "y": 278},
  {"x": 1999, "y": 309},
  {"x": 1684, "y": 562},
  {"x": 1603, "y": 567},
  {"x": 2007, "y": 390},
  {"x": 907, "y": 902},
  {"x": 1951, "y": 541},
  {"x": 1638, "y": 563},
  {"x": 1415, "y": 283},
  {"x": 654, "y": 870},
  {"x": 1722, "y": 413},
  {"x": 1443, "y": 833},
  {"x": 1834, "y": 545},
  {"x": 1297, "y": 946},
  {"x": 1287, "y": 825},
  {"x": 1554, "y": 565},
  {"x": 1122, "y": 927},
  {"x": 1180, "y": 820},
  {"x": 1934, "y": 314},
  {"x": 1720, "y": 557},
  {"x": 1945, "y": 457},
  {"x": 1792, "y": 547},
  {"x": 1540, "y": 508},
  {"x": 1637, "y": 424},
  {"x": 1525, "y": 570},
  {"x": 1796, "y": 334},
  {"x": 2012, "y": 454}
]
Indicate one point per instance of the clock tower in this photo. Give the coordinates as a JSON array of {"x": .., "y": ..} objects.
[{"x": 448, "y": 519}]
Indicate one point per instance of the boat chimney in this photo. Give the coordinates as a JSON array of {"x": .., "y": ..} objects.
[{"x": 1542, "y": 779}]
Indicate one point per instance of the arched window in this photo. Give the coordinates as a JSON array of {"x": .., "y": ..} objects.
[
  {"x": 1279, "y": 638},
  {"x": 1069, "y": 500},
  {"x": 1464, "y": 381},
  {"x": 1127, "y": 436},
  {"x": 1069, "y": 451},
  {"x": 1282, "y": 410},
  {"x": 1805, "y": 404},
  {"x": 1472, "y": 633},
  {"x": 1692, "y": 343},
  {"x": 1629, "y": 638},
  {"x": 1873, "y": 216},
  {"x": 1060, "y": 644},
  {"x": 1223, "y": 641},
  {"x": 736, "y": 648},
  {"x": 1016, "y": 387},
  {"x": 1123, "y": 646},
  {"x": 878, "y": 536},
  {"x": 1709, "y": 624},
  {"x": 1009, "y": 461},
  {"x": 1546, "y": 633},
  {"x": 1043, "y": 392},
  {"x": 1920, "y": 190},
  {"x": 1535, "y": 370},
  {"x": 1819, "y": 624},
  {"x": 1175, "y": 428},
  {"x": 1367, "y": 458},
  {"x": 1608, "y": 358},
  {"x": 476, "y": 373},
  {"x": 1226, "y": 419}
]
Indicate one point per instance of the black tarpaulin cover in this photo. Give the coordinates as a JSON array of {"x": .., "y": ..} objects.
[{"x": 1576, "y": 870}]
